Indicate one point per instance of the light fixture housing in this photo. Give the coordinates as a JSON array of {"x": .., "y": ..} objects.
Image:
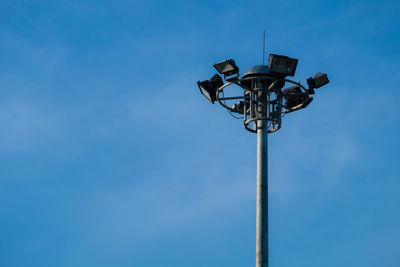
[
  {"x": 227, "y": 67},
  {"x": 209, "y": 88},
  {"x": 319, "y": 80},
  {"x": 294, "y": 97},
  {"x": 282, "y": 65}
]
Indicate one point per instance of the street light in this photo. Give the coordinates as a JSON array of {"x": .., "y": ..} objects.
[
  {"x": 294, "y": 97},
  {"x": 319, "y": 80},
  {"x": 209, "y": 87},
  {"x": 282, "y": 65},
  {"x": 262, "y": 105},
  {"x": 227, "y": 67}
]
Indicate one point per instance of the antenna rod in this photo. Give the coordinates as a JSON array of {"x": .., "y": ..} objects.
[{"x": 264, "y": 47}]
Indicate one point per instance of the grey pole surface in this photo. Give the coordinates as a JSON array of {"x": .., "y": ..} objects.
[{"x": 262, "y": 253}]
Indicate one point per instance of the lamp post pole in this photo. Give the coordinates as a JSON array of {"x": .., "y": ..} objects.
[
  {"x": 262, "y": 252},
  {"x": 262, "y": 108}
]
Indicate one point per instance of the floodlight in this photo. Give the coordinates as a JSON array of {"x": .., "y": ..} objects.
[
  {"x": 294, "y": 97},
  {"x": 209, "y": 87},
  {"x": 282, "y": 65},
  {"x": 227, "y": 67},
  {"x": 319, "y": 80}
]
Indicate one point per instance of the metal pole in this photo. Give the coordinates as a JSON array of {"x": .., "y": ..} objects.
[{"x": 262, "y": 181}]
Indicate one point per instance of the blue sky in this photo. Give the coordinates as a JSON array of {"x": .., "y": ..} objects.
[{"x": 109, "y": 155}]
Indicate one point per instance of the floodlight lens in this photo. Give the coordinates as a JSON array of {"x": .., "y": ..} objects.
[
  {"x": 209, "y": 88},
  {"x": 204, "y": 91},
  {"x": 227, "y": 67},
  {"x": 282, "y": 65}
]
